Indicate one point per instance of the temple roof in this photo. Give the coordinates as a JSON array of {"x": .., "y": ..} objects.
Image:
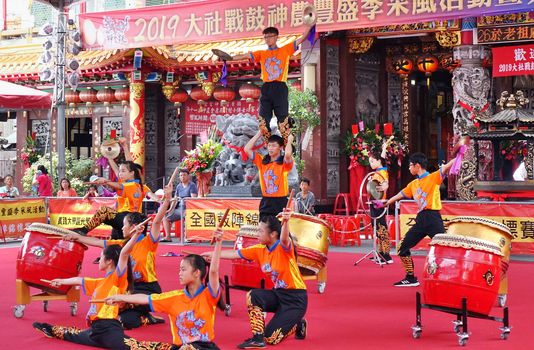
[{"x": 509, "y": 116}]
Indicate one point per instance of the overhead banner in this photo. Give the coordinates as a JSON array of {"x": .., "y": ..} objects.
[
  {"x": 217, "y": 20},
  {"x": 513, "y": 60},
  {"x": 199, "y": 118},
  {"x": 519, "y": 218},
  {"x": 17, "y": 214},
  {"x": 202, "y": 215},
  {"x": 75, "y": 212}
]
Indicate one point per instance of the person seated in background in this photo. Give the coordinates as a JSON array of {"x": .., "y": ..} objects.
[
  {"x": 305, "y": 199},
  {"x": 92, "y": 192},
  {"x": 66, "y": 190},
  {"x": 8, "y": 190}
]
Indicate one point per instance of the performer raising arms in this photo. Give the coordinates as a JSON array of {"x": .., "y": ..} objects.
[
  {"x": 191, "y": 310},
  {"x": 288, "y": 299},
  {"x": 143, "y": 261},
  {"x": 105, "y": 329}
]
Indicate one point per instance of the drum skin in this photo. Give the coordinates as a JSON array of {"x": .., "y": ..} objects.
[
  {"x": 452, "y": 273},
  {"x": 488, "y": 230},
  {"x": 45, "y": 256}
]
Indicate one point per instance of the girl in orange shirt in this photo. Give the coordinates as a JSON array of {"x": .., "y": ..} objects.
[
  {"x": 191, "y": 310},
  {"x": 66, "y": 190}
]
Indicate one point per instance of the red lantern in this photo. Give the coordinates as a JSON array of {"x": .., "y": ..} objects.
[
  {"x": 249, "y": 92},
  {"x": 123, "y": 95},
  {"x": 198, "y": 94},
  {"x": 106, "y": 95},
  {"x": 224, "y": 94},
  {"x": 403, "y": 66},
  {"x": 88, "y": 96},
  {"x": 72, "y": 97},
  {"x": 427, "y": 64},
  {"x": 179, "y": 97}
]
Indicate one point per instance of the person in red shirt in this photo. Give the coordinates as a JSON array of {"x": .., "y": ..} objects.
[
  {"x": 105, "y": 329},
  {"x": 43, "y": 182},
  {"x": 66, "y": 190},
  {"x": 191, "y": 310},
  {"x": 276, "y": 255}
]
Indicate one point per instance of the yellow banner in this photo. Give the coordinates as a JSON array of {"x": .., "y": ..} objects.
[{"x": 16, "y": 214}]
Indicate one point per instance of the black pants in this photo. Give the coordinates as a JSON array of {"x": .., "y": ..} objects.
[
  {"x": 427, "y": 223},
  {"x": 375, "y": 212},
  {"x": 134, "y": 315},
  {"x": 198, "y": 345},
  {"x": 272, "y": 206},
  {"x": 274, "y": 98}
]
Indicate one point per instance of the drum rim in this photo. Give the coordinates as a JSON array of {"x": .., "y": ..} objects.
[
  {"x": 240, "y": 233},
  {"x": 467, "y": 242},
  {"x": 312, "y": 218},
  {"x": 41, "y": 227},
  {"x": 482, "y": 220}
]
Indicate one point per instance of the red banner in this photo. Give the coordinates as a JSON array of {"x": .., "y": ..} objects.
[
  {"x": 17, "y": 214},
  {"x": 519, "y": 218},
  {"x": 199, "y": 118},
  {"x": 70, "y": 213},
  {"x": 202, "y": 215},
  {"x": 218, "y": 20},
  {"x": 513, "y": 60}
]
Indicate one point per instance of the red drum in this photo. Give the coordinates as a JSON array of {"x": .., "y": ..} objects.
[
  {"x": 44, "y": 255},
  {"x": 462, "y": 267},
  {"x": 246, "y": 273}
]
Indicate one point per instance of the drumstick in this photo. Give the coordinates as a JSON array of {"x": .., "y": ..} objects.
[
  {"x": 140, "y": 225},
  {"x": 174, "y": 173},
  {"x": 290, "y": 200},
  {"x": 97, "y": 301},
  {"x": 221, "y": 223},
  {"x": 45, "y": 281},
  {"x": 187, "y": 252}
]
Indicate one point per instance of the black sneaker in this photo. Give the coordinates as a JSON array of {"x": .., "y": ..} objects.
[
  {"x": 302, "y": 328},
  {"x": 387, "y": 258},
  {"x": 45, "y": 328},
  {"x": 252, "y": 343},
  {"x": 408, "y": 281},
  {"x": 154, "y": 319}
]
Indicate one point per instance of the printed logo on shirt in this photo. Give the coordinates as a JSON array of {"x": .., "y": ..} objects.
[
  {"x": 273, "y": 67},
  {"x": 421, "y": 198},
  {"x": 189, "y": 327},
  {"x": 269, "y": 179}
]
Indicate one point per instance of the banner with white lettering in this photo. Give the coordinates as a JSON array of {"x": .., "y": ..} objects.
[
  {"x": 199, "y": 118},
  {"x": 513, "y": 60}
]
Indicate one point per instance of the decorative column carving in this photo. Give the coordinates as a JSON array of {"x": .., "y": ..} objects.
[
  {"x": 471, "y": 85},
  {"x": 137, "y": 122}
]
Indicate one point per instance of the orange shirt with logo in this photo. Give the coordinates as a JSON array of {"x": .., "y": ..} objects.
[
  {"x": 275, "y": 62},
  {"x": 277, "y": 262},
  {"x": 425, "y": 190},
  {"x": 273, "y": 177},
  {"x": 115, "y": 282},
  {"x": 192, "y": 317},
  {"x": 130, "y": 196},
  {"x": 380, "y": 176}
]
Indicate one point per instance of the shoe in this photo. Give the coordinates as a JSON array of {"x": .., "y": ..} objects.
[
  {"x": 96, "y": 261},
  {"x": 302, "y": 328},
  {"x": 252, "y": 343},
  {"x": 166, "y": 240},
  {"x": 387, "y": 258},
  {"x": 408, "y": 281},
  {"x": 80, "y": 230},
  {"x": 154, "y": 319},
  {"x": 45, "y": 328},
  {"x": 380, "y": 256}
]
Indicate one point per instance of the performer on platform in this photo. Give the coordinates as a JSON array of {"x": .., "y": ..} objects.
[
  {"x": 143, "y": 261},
  {"x": 425, "y": 191},
  {"x": 105, "y": 328},
  {"x": 274, "y": 69},
  {"x": 191, "y": 310},
  {"x": 381, "y": 176},
  {"x": 276, "y": 255},
  {"x": 273, "y": 169}
]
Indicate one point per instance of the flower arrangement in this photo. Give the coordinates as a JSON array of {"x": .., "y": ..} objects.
[
  {"x": 29, "y": 153},
  {"x": 395, "y": 149},
  {"x": 358, "y": 146},
  {"x": 202, "y": 158},
  {"x": 512, "y": 150}
]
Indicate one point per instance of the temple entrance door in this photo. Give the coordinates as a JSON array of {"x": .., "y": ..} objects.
[{"x": 79, "y": 137}]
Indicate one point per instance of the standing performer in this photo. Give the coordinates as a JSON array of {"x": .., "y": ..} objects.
[
  {"x": 191, "y": 310},
  {"x": 276, "y": 256},
  {"x": 381, "y": 176},
  {"x": 273, "y": 170},
  {"x": 274, "y": 69},
  {"x": 105, "y": 328},
  {"x": 425, "y": 191},
  {"x": 143, "y": 261}
]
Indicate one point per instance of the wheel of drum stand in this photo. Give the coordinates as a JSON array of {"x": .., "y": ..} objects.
[
  {"x": 73, "y": 309},
  {"x": 457, "y": 326},
  {"x": 505, "y": 332},
  {"x": 227, "y": 310},
  {"x": 45, "y": 305},
  {"x": 416, "y": 332},
  {"x": 463, "y": 338},
  {"x": 321, "y": 286},
  {"x": 18, "y": 311},
  {"x": 501, "y": 300}
]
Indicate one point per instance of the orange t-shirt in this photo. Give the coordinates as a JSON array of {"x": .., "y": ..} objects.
[
  {"x": 425, "y": 190},
  {"x": 273, "y": 177},
  {"x": 192, "y": 317},
  {"x": 115, "y": 282},
  {"x": 130, "y": 196},
  {"x": 274, "y": 62},
  {"x": 277, "y": 262},
  {"x": 143, "y": 257},
  {"x": 381, "y": 176}
]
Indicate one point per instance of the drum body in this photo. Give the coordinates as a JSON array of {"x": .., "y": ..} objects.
[
  {"x": 47, "y": 256},
  {"x": 488, "y": 230},
  {"x": 462, "y": 267},
  {"x": 311, "y": 235}
]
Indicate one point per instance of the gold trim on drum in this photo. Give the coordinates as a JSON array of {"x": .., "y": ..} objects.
[
  {"x": 252, "y": 231},
  {"x": 466, "y": 242},
  {"x": 48, "y": 229},
  {"x": 483, "y": 221}
]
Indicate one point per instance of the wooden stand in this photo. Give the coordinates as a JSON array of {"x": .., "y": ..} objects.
[{"x": 24, "y": 297}]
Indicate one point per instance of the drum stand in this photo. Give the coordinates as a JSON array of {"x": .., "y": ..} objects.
[{"x": 378, "y": 260}]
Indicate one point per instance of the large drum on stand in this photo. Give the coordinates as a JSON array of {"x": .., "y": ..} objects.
[
  {"x": 462, "y": 267},
  {"x": 489, "y": 230},
  {"x": 43, "y": 255}
]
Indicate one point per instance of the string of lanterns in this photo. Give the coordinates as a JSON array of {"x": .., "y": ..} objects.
[{"x": 426, "y": 63}]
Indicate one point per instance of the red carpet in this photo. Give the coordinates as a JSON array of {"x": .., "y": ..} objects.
[{"x": 359, "y": 310}]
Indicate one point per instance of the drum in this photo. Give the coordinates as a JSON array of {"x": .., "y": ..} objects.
[
  {"x": 44, "y": 255},
  {"x": 311, "y": 236},
  {"x": 489, "y": 230},
  {"x": 462, "y": 267}
]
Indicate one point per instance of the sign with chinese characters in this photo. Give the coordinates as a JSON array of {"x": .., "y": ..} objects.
[
  {"x": 513, "y": 60},
  {"x": 218, "y": 20},
  {"x": 518, "y": 217},
  {"x": 17, "y": 214},
  {"x": 199, "y": 118},
  {"x": 202, "y": 215},
  {"x": 505, "y": 34}
]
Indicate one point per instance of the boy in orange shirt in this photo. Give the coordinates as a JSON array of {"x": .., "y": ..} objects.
[{"x": 425, "y": 191}]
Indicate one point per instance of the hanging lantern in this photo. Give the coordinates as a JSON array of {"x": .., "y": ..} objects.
[
  {"x": 72, "y": 97},
  {"x": 402, "y": 66},
  {"x": 428, "y": 64},
  {"x": 89, "y": 97},
  {"x": 178, "y": 97},
  {"x": 224, "y": 95},
  {"x": 249, "y": 92},
  {"x": 199, "y": 95},
  {"x": 106, "y": 96},
  {"x": 123, "y": 95}
]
